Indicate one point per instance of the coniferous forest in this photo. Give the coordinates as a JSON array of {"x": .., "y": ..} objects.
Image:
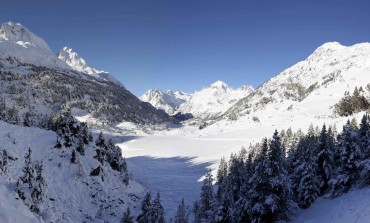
[{"x": 274, "y": 178}]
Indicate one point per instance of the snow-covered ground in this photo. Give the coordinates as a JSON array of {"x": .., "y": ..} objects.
[
  {"x": 352, "y": 207},
  {"x": 175, "y": 165}
]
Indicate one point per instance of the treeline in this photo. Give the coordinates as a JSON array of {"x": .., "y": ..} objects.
[
  {"x": 271, "y": 180},
  {"x": 351, "y": 104}
]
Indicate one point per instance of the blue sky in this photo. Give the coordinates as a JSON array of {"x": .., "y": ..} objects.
[{"x": 187, "y": 44}]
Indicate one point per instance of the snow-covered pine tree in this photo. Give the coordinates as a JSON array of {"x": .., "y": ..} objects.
[
  {"x": 3, "y": 161},
  {"x": 127, "y": 218},
  {"x": 74, "y": 156},
  {"x": 304, "y": 180},
  {"x": 157, "y": 213},
  {"x": 258, "y": 192},
  {"x": 28, "y": 172},
  {"x": 80, "y": 146},
  {"x": 146, "y": 209},
  {"x": 181, "y": 215},
  {"x": 364, "y": 143},
  {"x": 100, "y": 141},
  {"x": 207, "y": 197},
  {"x": 197, "y": 212},
  {"x": 350, "y": 157},
  {"x": 324, "y": 155},
  {"x": 31, "y": 186},
  {"x": 222, "y": 171},
  {"x": 279, "y": 201}
]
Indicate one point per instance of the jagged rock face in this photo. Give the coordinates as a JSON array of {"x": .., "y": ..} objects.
[
  {"x": 168, "y": 101},
  {"x": 77, "y": 63},
  {"x": 207, "y": 103}
]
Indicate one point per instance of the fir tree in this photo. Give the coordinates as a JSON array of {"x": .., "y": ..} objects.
[
  {"x": 350, "y": 156},
  {"x": 207, "y": 196},
  {"x": 28, "y": 172},
  {"x": 100, "y": 141},
  {"x": 157, "y": 215},
  {"x": 222, "y": 171},
  {"x": 127, "y": 218},
  {"x": 197, "y": 212},
  {"x": 80, "y": 147},
  {"x": 73, "y": 156},
  {"x": 181, "y": 216},
  {"x": 324, "y": 156},
  {"x": 145, "y": 215}
]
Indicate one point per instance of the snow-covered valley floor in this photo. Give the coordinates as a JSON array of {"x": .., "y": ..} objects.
[{"x": 175, "y": 165}]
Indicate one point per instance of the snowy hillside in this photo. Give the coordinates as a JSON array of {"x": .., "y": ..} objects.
[
  {"x": 36, "y": 84},
  {"x": 207, "y": 103},
  {"x": 168, "y": 101},
  {"x": 323, "y": 76},
  {"x": 71, "y": 58},
  {"x": 70, "y": 192}
]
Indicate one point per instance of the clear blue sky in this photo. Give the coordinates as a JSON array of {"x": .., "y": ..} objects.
[{"x": 188, "y": 44}]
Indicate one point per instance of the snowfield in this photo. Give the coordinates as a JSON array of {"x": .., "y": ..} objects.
[{"x": 351, "y": 207}]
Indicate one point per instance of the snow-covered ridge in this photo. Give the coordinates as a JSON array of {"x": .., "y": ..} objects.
[
  {"x": 214, "y": 100},
  {"x": 20, "y": 45},
  {"x": 329, "y": 71},
  {"x": 209, "y": 102},
  {"x": 168, "y": 101},
  {"x": 77, "y": 63}
]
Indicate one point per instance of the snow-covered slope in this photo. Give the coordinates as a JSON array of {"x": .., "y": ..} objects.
[
  {"x": 71, "y": 193},
  {"x": 35, "y": 81},
  {"x": 168, "y": 101},
  {"x": 350, "y": 207},
  {"x": 70, "y": 57},
  {"x": 19, "y": 45},
  {"x": 214, "y": 100},
  {"x": 208, "y": 103},
  {"x": 328, "y": 72}
]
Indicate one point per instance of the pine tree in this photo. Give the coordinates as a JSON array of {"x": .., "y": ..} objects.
[
  {"x": 27, "y": 119},
  {"x": 127, "y": 218},
  {"x": 324, "y": 156},
  {"x": 73, "y": 156},
  {"x": 305, "y": 183},
  {"x": 80, "y": 147},
  {"x": 100, "y": 141},
  {"x": 350, "y": 156},
  {"x": 197, "y": 212},
  {"x": 270, "y": 193},
  {"x": 364, "y": 143},
  {"x": 28, "y": 172},
  {"x": 259, "y": 193},
  {"x": 207, "y": 196},
  {"x": 157, "y": 215},
  {"x": 279, "y": 201},
  {"x": 181, "y": 216},
  {"x": 145, "y": 215},
  {"x": 3, "y": 161},
  {"x": 222, "y": 171}
]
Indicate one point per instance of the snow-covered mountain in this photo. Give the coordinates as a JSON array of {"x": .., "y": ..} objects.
[
  {"x": 214, "y": 100},
  {"x": 207, "y": 103},
  {"x": 168, "y": 101},
  {"x": 71, "y": 58},
  {"x": 34, "y": 81},
  {"x": 18, "y": 45},
  {"x": 325, "y": 75}
]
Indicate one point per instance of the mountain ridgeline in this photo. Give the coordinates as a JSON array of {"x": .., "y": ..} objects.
[{"x": 39, "y": 87}]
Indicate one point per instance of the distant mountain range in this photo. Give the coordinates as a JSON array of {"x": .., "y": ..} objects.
[{"x": 207, "y": 103}]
